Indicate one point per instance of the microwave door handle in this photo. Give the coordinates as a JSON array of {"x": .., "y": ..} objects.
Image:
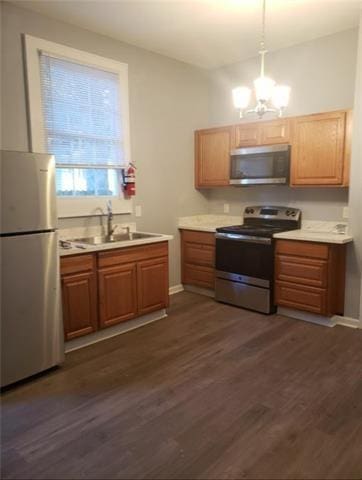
[{"x": 243, "y": 238}]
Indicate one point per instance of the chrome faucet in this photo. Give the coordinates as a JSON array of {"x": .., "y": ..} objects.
[{"x": 110, "y": 228}]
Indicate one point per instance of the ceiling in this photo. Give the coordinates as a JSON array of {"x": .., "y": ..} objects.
[{"x": 206, "y": 33}]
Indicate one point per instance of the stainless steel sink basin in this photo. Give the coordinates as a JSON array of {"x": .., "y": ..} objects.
[{"x": 120, "y": 237}]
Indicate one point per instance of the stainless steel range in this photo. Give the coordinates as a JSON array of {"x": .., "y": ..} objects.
[{"x": 245, "y": 257}]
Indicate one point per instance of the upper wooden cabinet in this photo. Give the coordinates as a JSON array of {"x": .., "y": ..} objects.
[
  {"x": 263, "y": 133},
  {"x": 212, "y": 151},
  {"x": 246, "y": 135},
  {"x": 320, "y": 149},
  {"x": 276, "y": 131}
]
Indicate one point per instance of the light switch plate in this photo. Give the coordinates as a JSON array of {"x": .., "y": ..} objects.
[
  {"x": 226, "y": 208},
  {"x": 345, "y": 213},
  {"x": 138, "y": 211}
]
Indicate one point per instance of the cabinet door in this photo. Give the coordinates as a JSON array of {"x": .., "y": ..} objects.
[
  {"x": 274, "y": 132},
  {"x": 247, "y": 134},
  {"x": 79, "y": 304},
  {"x": 117, "y": 294},
  {"x": 212, "y": 157},
  {"x": 318, "y": 149},
  {"x": 152, "y": 285}
]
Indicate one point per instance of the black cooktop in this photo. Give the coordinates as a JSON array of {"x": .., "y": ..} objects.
[
  {"x": 261, "y": 221},
  {"x": 259, "y": 231}
]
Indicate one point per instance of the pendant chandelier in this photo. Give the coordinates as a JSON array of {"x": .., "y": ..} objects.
[{"x": 270, "y": 98}]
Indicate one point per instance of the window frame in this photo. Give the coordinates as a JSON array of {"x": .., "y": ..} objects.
[{"x": 73, "y": 206}]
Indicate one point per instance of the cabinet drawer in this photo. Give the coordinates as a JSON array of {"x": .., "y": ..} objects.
[
  {"x": 76, "y": 264},
  {"x": 205, "y": 238},
  {"x": 200, "y": 276},
  {"x": 132, "y": 254},
  {"x": 311, "y": 299},
  {"x": 302, "y": 249},
  {"x": 299, "y": 270},
  {"x": 198, "y": 254}
]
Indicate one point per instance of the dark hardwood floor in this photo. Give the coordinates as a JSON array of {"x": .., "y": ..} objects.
[{"x": 210, "y": 392}]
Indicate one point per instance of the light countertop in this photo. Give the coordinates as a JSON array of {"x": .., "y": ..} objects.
[
  {"x": 207, "y": 223},
  {"x": 84, "y": 248},
  {"x": 308, "y": 236},
  {"x": 311, "y": 231}
]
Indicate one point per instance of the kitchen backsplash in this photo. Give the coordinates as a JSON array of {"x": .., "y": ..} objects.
[{"x": 315, "y": 203}]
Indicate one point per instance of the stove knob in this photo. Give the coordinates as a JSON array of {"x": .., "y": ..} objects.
[
  {"x": 294, "y": 214},
  {"x": 251, "y": 210},
  {"x": 287, "y": 213}
]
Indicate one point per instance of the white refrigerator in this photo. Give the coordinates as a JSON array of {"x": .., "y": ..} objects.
[{"x": 31, "y": 320}]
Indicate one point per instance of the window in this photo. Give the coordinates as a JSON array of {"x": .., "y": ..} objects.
[{"x": 78, "y": 105}]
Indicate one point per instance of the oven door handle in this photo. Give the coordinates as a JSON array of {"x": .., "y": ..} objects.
[{"x": 243, "y": 238}]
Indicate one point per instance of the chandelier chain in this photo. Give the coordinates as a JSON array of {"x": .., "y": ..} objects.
[{"x": 262, "y": 43}]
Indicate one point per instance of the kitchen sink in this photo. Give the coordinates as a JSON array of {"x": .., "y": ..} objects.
[{"x": 120, "y": 237}]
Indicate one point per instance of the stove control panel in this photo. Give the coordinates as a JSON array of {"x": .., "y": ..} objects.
[{"x": 272, "y": 212}]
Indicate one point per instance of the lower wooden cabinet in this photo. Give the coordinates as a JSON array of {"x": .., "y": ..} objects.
[
  {"x": 310, "y": 276},
  {"x": 117, "y": 294},
  {"x": 198, "y": 258},
  {"x": 105, "y": 288},
  {"x": 79, "y": 291}
]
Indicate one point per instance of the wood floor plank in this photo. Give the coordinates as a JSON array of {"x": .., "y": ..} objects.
[{"x": 211, "y": 391}]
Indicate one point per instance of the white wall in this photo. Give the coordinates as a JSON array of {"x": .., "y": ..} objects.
[
  {"x": 168, "y": 101},
  {"x": 321, "y": 74},
  {"x": 354, "y": 284}
]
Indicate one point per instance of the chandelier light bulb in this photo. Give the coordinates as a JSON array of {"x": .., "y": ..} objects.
[
  {"x": 241, "y": 97},
  {"x": 280, "y": 97},
  {"x": 264, "y": 87}
]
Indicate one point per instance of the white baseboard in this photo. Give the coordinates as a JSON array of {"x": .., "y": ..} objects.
[
  {"x": 200, "y": 290},
  {"x": 175, "y": 289},
  {"x": 320, "y": 319},
  {"x": 307, "y": 317},
  {"x": 110, "y": 332},
  {"x": 348, "y": 321}
]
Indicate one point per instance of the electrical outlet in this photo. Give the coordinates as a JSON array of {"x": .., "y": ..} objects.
[
  {"x": 138, "y": 210},
  {"x": 226, "y": 208},
  {"x": 345, "y": 213}
]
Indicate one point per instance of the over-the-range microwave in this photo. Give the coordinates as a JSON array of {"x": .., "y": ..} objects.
[{"x": 265, "y": 165}]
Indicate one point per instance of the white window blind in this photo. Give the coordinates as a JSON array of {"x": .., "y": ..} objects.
[{"x": 82, "y": 123}]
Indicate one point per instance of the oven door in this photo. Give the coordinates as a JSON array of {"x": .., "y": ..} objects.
[
  {"x": 260, "y": 165},
  {"x": 245, "y": 259}
]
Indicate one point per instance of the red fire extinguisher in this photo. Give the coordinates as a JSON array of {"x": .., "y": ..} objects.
[{"x": 129, "y": 180}]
